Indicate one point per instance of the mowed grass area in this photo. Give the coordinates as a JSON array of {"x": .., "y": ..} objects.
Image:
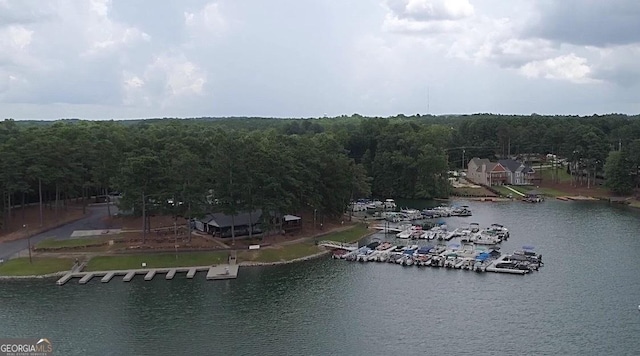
[
  {"x": 548, "y": 175},
  {"x": 82, "y": 242},
  {"x": 190, "y": 259},
  {"x": 552, "y": 192},
  {"x": 471, "y": 192},
  {"x": 505, "y": 192},
  {"x": 290, "y": 252},
  {"x": 280, "y": 253},
  {"x": 40, "y": 266},
  {"x": 350, "y": 235}
]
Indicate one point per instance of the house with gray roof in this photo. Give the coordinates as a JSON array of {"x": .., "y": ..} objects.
[
  {"x": 517, "y": 172},
  {"x": 483, "y": 171}
]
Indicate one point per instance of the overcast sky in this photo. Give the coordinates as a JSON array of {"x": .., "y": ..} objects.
[{"x": 99, "y": 59}]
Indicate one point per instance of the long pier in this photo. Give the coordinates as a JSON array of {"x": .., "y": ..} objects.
[{"x": 218, "y": 272}]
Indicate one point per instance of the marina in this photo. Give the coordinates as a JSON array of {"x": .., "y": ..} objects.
[
  {"x": 468, "y": 257},
  {"x": 477, "y": 251}
]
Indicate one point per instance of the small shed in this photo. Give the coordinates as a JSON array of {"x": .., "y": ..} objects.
[{"x": 291, "y": 222}]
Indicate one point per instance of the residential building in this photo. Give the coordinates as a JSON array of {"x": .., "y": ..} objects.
[
  {"x": 483, "y": 171},
  {"x": 517, "y": 173}
]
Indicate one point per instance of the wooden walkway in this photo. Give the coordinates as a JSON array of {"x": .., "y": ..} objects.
[{"x": 226, "y": 271}]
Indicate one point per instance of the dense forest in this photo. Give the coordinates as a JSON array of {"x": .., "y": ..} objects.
[{"x": 187, "y": 167}]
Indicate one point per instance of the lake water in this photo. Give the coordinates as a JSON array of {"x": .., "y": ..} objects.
[{"x": 584, "y": 301}]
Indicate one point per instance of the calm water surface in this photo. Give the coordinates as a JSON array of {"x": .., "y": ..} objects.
[{"x": 583, "y": 302}]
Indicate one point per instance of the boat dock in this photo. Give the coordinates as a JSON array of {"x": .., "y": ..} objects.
[
  {"x": 218, "y": 272},
  {"x": 470, "y": 257}
]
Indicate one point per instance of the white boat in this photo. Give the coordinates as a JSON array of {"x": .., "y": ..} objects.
[
  {"x": 389, "y": 204},
  {"x": 357, "y": 207},
  {"x": 375, "y": 205},
  {"x": 504, "y": 265},
  {"x": 485, "y": 238},
  {"x": 410, "y": 214},
  {"x": 500, "y": 230},
  {"x": 462, "y": 210},
  {"x": 391, "y": 216},
  {"x": 398, "y": 228},
  {"x": 474, "y": 227},
  {"x": 405, "y": 234}
]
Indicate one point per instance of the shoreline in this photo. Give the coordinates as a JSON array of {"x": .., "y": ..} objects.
[{"x": 240, "y": 264}]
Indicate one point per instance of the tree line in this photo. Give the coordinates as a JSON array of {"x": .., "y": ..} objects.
[{"x": 189, "y": 167}]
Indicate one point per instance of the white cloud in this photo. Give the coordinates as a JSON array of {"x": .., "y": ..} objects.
[
  {"x": 426, "y": 16},
  {"x": 15, "y": 37},
  {"x": 618, "y": 64},
  {"x": 104, "y": 34},
  {"x": 207, "y": 21},
  {"x": 134, "y": 91},
  {"x": 481, "y": 37},
  {"x": 213, "y": 57},
  {"x": 431, "y": 10},
  {"x": 567, "y": 67},
  {"x": 394, "y": 23},
  {"x": 167, "y": 80},
  {"x": 181, "y": 76}
]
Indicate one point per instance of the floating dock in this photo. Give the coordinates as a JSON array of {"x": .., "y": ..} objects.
[
  {"x": 218, "y": 272},
  {"x": 223, "y": 272},
  {"x": 107, "y": 277},
  {"x": 129, "y": 276},
  {"x": 149, "y": 275},
  {"x": 192, "y": 272},
  {"x": 86, "y": 278}
]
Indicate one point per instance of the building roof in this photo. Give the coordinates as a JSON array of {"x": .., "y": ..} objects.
[
  {"x": 515, "y": 166},
  {"x": 291, "y": 218},
  {"x": 510, "y": 164},
  {"x": 479, "y": 162},
  {"x": 221, "y": 220}
]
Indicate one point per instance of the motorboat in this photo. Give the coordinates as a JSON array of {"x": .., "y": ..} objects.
[
  {"x": 389, "y": 204},
  {"x": 485, "y": 238},
  {"x": 408, "y": 232},
  {"x": 500, "y": 230},
  {"x": 474, "y": 227}
]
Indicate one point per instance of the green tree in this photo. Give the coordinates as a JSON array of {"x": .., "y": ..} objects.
[{"x": 618, "y": 175}]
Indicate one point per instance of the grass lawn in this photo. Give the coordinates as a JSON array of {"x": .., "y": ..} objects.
[
  {"x": 105, "y": 263},
  {"x": 504, "y": 191},
  {"x": 280, "y": 253},
  {"x": 552, "y": 192},
  {"x": 40, "y": 266},
  {"x": 92, "y": 241},
  {"x": 471, "y": 192},
  {"x": 548, "y": 175},
  {"x": 350, "y": 235}
]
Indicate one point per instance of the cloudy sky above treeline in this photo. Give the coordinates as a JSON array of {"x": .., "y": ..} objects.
[{"x": 101, "y": 59}]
